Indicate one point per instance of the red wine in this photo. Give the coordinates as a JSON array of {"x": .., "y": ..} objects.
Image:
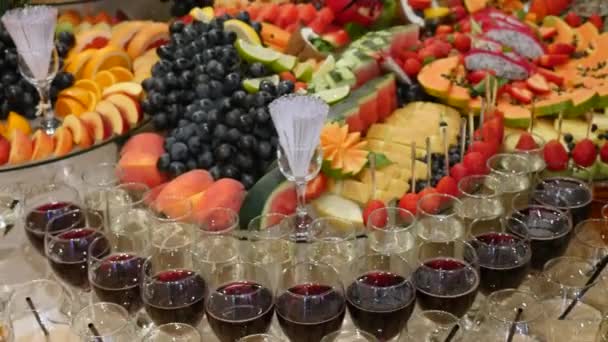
[
  {"x": 381, "y": 303},
  {"x": 240, "y": 309},
  {"x": 68, "y": 252},
  {"x": 37, "y": 220},
  {"x": 175, "y": 296},
  {"x": 308, "y": 312},
  {"x": 549, "y": 230},
  {"x": 504, "y": 261},
  {"x": 566, "y": 193},
  {"x": 116, "y": 280},
  {"x": 446, "y": 284}
]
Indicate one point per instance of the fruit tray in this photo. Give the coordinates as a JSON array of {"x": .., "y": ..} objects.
[{"x": 114, "y": 139}]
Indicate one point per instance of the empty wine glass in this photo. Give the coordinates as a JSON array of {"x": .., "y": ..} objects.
[
  {"x": 514, "y": 174},
  {"x": 262, "y": 338},
  {"x": 333, "y": 242},
  {"x": 391, "y": 230},
  {"x": 173, "y": 332},
  {"x": 433, "y": 325},
  {"x": 104, "y": 322},
  {"x": 215, "y": 241},
  {"x": 349, "y": 335}
]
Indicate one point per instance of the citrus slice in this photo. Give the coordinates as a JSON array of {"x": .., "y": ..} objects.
[
  {"x": 326, "y": 66},
  {"x": 104, "y": 79},
  {"x": 252, "y": 85},
  {"x": 85, "y": 97},
  {"x": 76, "y": 62},
  {"x": 89, "y": 85},
  {"x": 334, "y": 95},
  {"x": 243, "y": 31},
  {"x": 121, "y": 74},
  {"x": 106, "y": 58},
  {"x": 256, "y": 53},
  {"x": 205, "y": 14},
  {"x": 66, "y": 105},
  {"x": 16, "y": 121},
  {"x": 3, "y": 130}
]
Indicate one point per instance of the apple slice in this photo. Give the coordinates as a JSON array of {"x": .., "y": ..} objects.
[
  {"x": 111, "y": 113},
  {"x": 79, "y": 130},
  {"x": 63, "y": 141},
  {"x": 5, "y": 150},
  {"x": 21, "y": 148},
  {"x": 129, "y": 108},
  {"x": 44, "y": 145},
  {"x": 98, "y": 125},
  {"x": 131, "y": 89}
]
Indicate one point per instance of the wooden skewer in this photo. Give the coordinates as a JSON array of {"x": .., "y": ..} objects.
[
  {"x": 463, "y": 136},
  {"x": 446, "y": 150},
  {"x": 429, "y": 163},
  {"x": 560, "y": 119},
  {"x": 413, "y": 166},
  {"x": 371, "y": 157},
  {"x": 471, "y": 128},
  {"x": 532, "y": 118},
  {"x": 589, "y": 119}
]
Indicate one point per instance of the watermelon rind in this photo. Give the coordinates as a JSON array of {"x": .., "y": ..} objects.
[
  {"x": 258, "y": 197},
  {"x": 582, "y": 105},
  {"x": 552, "y": 106}
]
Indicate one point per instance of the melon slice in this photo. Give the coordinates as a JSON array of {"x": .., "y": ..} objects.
[
  {"x": 344, "y": 152},
  {"x": 583, "y": 100},
  {"x": 95, "y": 39},
  {"x": 330, "y": 205},
  {"x": 124, "y": 32},
  {"x": 515, "y": 115},
  {"x": 565, "y": 33},
  {"x": 435, "y": 76},
  {"x": 149, "y": 36},
  {"x": 553, "y": 104},
  {"x": 587, "y": 33}
]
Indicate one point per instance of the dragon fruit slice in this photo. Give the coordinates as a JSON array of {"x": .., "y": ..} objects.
[
  {"x": 501, "y": 64},
  {"x": 492, "y": 13},
  {"x": 482, "y": 43},
  {"x": 519, "y": 40}
]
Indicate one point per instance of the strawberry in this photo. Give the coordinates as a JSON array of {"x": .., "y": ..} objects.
[
  {"x": 485, "y": 148},
  {"x": 474, "y": 77},
  {"x": 604, "y": 153},
  {"x": 463, "y": 26},
  {"x": 452, "y": 3},
  {"x": 459, "y": 171},
  {"x": 561, "y": 49},
  {"x": 522, "y": 95},
  {"x": 443, "y": 29},
  {"x": 538, "y": 84},
  {"x": 405, "y": 54},
  {"x": 420, "y": 5},
  {"x": 547, "y": 32},
  {"x": 426, "y": 53},
  {"x": 412, "y": 66},
  {"x": 462, "y": 42},
  {"x": 440, "y": 49},
  {"x": 475, "y": 163},
  {"x": 447, "y": 185},
  {"x": 584, "y": 153},
  {"x": 458, "y": 12},
  {"x": 429, "y": 204},
  {"x": 597, "y": 21},
  {"x": 493, "y": 130},
  {"x": 573, "y": 19},
  {"x": 380, "y": 218},
  {"x": 551, "y": 76},
  {"x": 549, "y": 61},
  {"x": 555, "y": 156},
  {"x": 526, "y": 142},
  {"x": 409, "y": 202},
  {"x": 426, "y": 191},
  {"x": 287, "y": 76}
]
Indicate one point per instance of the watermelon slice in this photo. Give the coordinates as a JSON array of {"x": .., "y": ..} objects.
[
  {"x": 348, "y": 111},
  {"x": 501, "y": 64},
  {"x": 387, "y": 96},
  {"x": 520, "y": 40}
]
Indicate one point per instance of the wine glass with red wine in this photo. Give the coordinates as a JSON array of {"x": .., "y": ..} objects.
[
  {"x": 115, "y": 275},
  {"x": 381, "y": 297},
  {"x": 447, "y": 277},
  {"x": 44, "y": 203},
  {"x": 172, "y": 291},
  {"x": 504, "y": 253},
  {"x": 240, "y": 302},
  {"x": 310, "y": 302},
  {"x": 567, "y": 194}
]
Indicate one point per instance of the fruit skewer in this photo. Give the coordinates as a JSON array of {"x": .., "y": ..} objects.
[
  {"x": 409, "y": 201},
  {"x": 554, "y": 152}
]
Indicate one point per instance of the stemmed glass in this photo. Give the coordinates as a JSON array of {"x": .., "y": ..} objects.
[
  {"x": 535, "y": 156},
  {"x": 591, "y": 239},
  {"x": 513, "y": 173},
  {"x": 173, "y": 332},
  {"x": 310, "y": 301},
  {"x": 241, "y": 301},
  {"x": 11, "y": 207},
  {"x": 391, "y": 230},
  {"x": 302, "y": 218},
  {"x": 433, "y": 325},
  {"x": 481, "y": 199},
  {"x": 333, "y": 242},
  {"x": 42, "y": 204},
  {"x": 438, "y": 218},
  {"x": 504, "y": 253},
  {"x": 261, "y": 338},
  {"x": 381, "y": 297},
  {"x": 171, "y": 234},
  {"x": 567, "y": 194},
  {"x": 447, "y": 277},
  {"x": 349, "y": 335},
  {"x": 41, "y": 310},
  {"x": 104, "y": 322}
]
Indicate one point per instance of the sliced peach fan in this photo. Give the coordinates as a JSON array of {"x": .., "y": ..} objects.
[{"x": 345, "y": 151}]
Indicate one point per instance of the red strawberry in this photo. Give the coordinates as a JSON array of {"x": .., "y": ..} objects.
[
  {"x": 555, "y": 156},
  {"x": 405, "y": 54},
  {"x": 452, "y": 3},
  {"x": 441, "y": 49},
  {"x": 584, "y": 153},
  {"x": 475, "y": 163},
  {"x": 420, "y": 5},
  {"x": 429, "y": 204},
  {"x": 409, "y": 202},
  {"x": 462, "y": 42},
  {"x": 458, "y": 12},
  {"x": 522, "y": 95},
  {"x": 526, "y": 142},
  {"x": 477, "y": 76},
  {"x": 427, "y": 190},
  {"x": 380, "y": 218},
  {"x": 459, "y": 171},
  {"x": 547, "y": 32},
  {"x": 573, "y": 19},
  {"x": 426, "y": 53},
  {"x": 561, "y": 49},
  {"x": 463, "y": 26},
  {"x": 596, "y": 20},
  {"x": 443, "y": 29},
  {"x": 485, "y": 148},
  {"x": 447, "y": 185},
  {"x": 412, "y": 66},
  {"x": 538, "y": 84},
  {"x": 493, "y": 130},
  {"x": 551, "y": 76},
  {"x": 549, "y": 61},
  {"x": 604, "y": 153}
]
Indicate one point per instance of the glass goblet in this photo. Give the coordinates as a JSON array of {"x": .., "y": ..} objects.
[
  {"x": 391, "y": 230},
  {"x": 173, "y": 332},
  {"x": 171, "y": 233},
  {"x": 262, "y": 338},
  {"x": 535, "y": 156},
  {"x": 433, "y": 325},
  {"x": 590, "y": 239},
  {"x": 104, "y": 322},
  {"x": 349, "y": 335},
  {"x": 438, "y": 218},
  {"x": 514, "y": 175},
  {"x": 48, "y": 122},
  {"x": 481, "y": 199},
  {"x": 333, "y": 242}
]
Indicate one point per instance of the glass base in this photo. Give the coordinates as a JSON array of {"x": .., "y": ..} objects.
[{"x": 49, "y": 125}]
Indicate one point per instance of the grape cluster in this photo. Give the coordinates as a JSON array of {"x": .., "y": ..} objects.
[
  {"x": 407, "y": 93},
  {"x": 196, "y": 94},
  {"x": 180, "y": 8},
  {"x": 19, "y": 95}
]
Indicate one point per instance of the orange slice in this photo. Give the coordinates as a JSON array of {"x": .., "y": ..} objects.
[
  {"x": 66, "y": 105},
  {"x": 122, "y": 33},
  {"x": 76, "y": 62},
  {"x": 3, "y": 130},
  {"x": 106, "y": 58},
  {"x": 121, "y": 74},
  {"x": 89, "y": 85},
  {"x": 85, "y": 97},
  {"x": 16, "y": 121},
  {"x": 104, "y": 79}
]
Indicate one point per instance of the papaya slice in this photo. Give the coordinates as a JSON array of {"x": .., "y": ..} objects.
[
  {"x": 435, "y": 76},
  {"x": 587, "y": 33}
]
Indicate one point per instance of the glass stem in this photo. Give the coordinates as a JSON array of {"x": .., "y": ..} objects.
[
  {"x": 301, "y": 193},
  {"x": 44, "y": 106}
]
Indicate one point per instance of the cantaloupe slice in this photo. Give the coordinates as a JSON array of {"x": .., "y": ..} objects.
[
  {"x": 344, "y": 151},
  {"x": 599, "y": 54},
  {"x": 147, "y": 37},
  {"x": 434, "y": 77},
  {"x": 515, "y": 115},
  {"x": 104, "y": 59},
  {"x": 587, "y": 33},
  {"x": 91, "y": 38},
  {"x": 124, "y": 32},
  {"x": 565, "y": 33}
]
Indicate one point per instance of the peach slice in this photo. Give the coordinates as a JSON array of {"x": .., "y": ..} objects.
[
  {"x": 67, "y": 105},
  {"x": 184, "y": 186},
  {"x": 124, "y": 32},
  {"x": 111, "y": 113},
  {"x": 21, "y": 148},
  {"x": 152, "y": 143},
  {"x": 147, "y": 37},
  {"x": 122, "y": 74},
  {"x": 225, "y": 193},
  {"x": 132, "y": 89},
  {"x": 140, "y": 167},
  {"x": 129, "y": 108},
  {"x": 63, "y": 141},
  {"x": 145, "y": 62},
  {"x": 86, "y": 98},
  {"x": 140, "y": 77},
  {"x": 44, "y": 145},
  {"x": 5, "y": 150},
  {"x": 104, "y": 79},
  {"x": 76, "y": 61},
  {"x": 79, "y": 130},
  {"x": 91, "y": 38},
  {"x": 97, "y": 125},
  {"x": 106, "y": 58},
  {"x": 89, "y": 85}
]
